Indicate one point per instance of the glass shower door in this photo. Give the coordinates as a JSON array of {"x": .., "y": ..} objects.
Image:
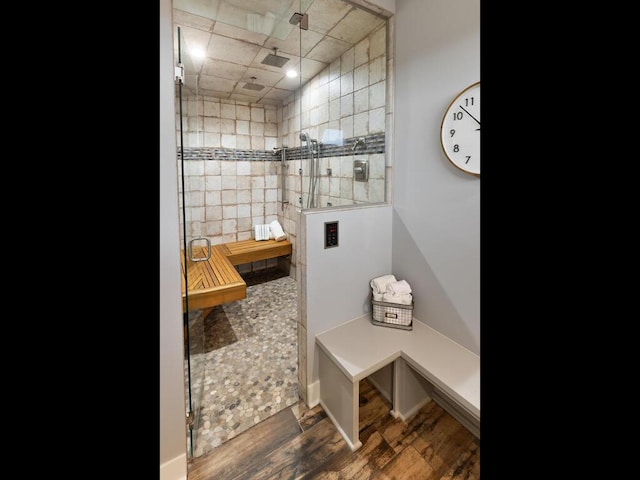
[{"x": 192, "y": 323}]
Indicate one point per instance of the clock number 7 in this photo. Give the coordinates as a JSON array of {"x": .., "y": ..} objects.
[{"x": 468, "y": 158}]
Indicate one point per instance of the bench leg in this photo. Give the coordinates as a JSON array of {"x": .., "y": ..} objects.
[
  {"x": 411, "y": 391},
  {"x": 339, "y": 399}
]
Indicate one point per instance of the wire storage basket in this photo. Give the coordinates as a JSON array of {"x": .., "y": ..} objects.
[{"x": 394, "y": 315}]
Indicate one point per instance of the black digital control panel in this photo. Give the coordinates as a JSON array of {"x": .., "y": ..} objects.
[{"x": 330, "y": 234}]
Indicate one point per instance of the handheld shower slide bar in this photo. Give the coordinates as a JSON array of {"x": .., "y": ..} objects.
[{"x": 314, "y": 168}]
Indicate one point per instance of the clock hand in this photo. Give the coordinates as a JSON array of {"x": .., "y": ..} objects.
[{"x": 469, "y": 114}]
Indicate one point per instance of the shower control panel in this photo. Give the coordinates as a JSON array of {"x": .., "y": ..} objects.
[{"x": 330, "y": 234}]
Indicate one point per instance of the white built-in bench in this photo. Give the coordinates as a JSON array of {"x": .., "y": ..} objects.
[{"x": 426, "y": 366}]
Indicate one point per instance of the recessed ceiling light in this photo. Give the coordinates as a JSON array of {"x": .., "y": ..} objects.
[
  {"x": 197, "y": 52},
  {"x": 292, "y": 73}
]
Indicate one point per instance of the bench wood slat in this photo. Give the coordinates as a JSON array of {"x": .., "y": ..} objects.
[
  {"x": 246, "y": 251},
  {"x": 216, "y": 281}
]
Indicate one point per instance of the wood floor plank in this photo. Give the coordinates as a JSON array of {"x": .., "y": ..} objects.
[
  {"x": 401, "y": 434},
  {"x": 299, "y": 455},
  {"x": 372, "y": 406},
  {"x": 407, "y": 465},
  {"x": 443, "y": 442},
  {"x": 247, "y": 450},
  {"x": 308, "y": 417},
  {"x": 467, "y": 466},
  {"x": 300, "y": 443},
  {"x": 374, "y": 454}
]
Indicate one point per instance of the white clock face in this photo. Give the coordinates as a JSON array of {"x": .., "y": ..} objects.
[{"x": 460, "y": 130}]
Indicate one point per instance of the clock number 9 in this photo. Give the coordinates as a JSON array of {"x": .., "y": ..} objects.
[{"x": 452, "y": 132}]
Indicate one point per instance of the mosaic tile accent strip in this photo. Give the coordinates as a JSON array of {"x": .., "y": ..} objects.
[{"x": 374, "y": 143}]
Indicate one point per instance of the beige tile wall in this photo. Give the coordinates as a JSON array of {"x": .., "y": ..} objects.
[{"x": 226, "y": 198}]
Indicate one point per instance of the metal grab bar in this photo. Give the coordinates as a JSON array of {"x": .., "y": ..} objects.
[{"x": 199, "y": 259}]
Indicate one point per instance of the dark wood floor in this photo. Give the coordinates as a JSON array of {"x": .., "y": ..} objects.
[{"x": 302, "y": 443}]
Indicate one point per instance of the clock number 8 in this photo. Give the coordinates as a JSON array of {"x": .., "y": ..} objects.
[{"x": 456, "y": 148}]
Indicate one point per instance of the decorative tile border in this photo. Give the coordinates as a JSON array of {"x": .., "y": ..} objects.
[{"x": 374, "y": 143}]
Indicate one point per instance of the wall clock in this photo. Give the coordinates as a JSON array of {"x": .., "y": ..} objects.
[{"x": 460, "y": 130}]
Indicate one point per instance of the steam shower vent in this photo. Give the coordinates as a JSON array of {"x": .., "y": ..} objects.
[{"x": 275, "y": 60}]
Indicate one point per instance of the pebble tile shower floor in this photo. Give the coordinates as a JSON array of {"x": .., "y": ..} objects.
[{"x": 244, "y": 360}]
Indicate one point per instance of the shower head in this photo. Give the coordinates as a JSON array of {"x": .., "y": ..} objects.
[
  {"x": 253, "y": 85},
  {"x": 274, "y": 60}
]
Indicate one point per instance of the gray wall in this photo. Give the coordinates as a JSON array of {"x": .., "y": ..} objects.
[{"x": 436, "y": 208}]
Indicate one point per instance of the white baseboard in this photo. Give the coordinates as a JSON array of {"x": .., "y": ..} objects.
[
  {"x": 175, "y": 469},
  {"x": 313, "y": 394},
  {"x": 411, "y": 412}
]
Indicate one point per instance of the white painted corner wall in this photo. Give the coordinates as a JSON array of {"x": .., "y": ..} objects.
[{"x": 336, "y": 280}]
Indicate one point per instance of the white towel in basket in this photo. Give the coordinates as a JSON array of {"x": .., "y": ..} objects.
[
  {"x": 405, "y": 299},
  {"x": 379, "y": 284},
  {"x": 400, "y": 287}
]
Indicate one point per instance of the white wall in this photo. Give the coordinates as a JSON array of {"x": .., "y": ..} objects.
[
  {"x": 436, "y": 208},
  {"x": 336, "y": 280},
  {"x": 173, "y": 453}
]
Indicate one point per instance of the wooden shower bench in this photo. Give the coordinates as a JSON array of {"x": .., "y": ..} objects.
[{"x": 216, "y": 280}]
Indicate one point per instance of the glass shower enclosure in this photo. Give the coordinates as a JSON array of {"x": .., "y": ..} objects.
[{"x": 255, "y": 144}]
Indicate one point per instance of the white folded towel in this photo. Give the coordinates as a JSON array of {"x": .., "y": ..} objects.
[
  {"x": 405, "y": 299},
  {"x": 379, "y": 284},
  {"x": 278, "y": 232},
  {"x": 377, "y": 297},
  {"x": 261, "y": 232},
  {"x": 400, "y": 287}
]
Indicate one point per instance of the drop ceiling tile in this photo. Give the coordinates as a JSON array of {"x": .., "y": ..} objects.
[
  {"x": 289, "y": 84},
  {"x": 328, "y": 49},
  {"x": 277, "y": 94},
  {"x": 231, "y": 50},
  {"x": 292, "y": 44},
  {"x": 187, "y": 19},
  {"x": 239, "y": 33},
  {"x": 222, "y": 69},
  {"x": 263, "y": 77},
  {"x": 355, "y": 26},
  {"x": 325, "y": 14},
  {"x": 215, "y": 83},
  {"x": 310, "y": 68}
]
